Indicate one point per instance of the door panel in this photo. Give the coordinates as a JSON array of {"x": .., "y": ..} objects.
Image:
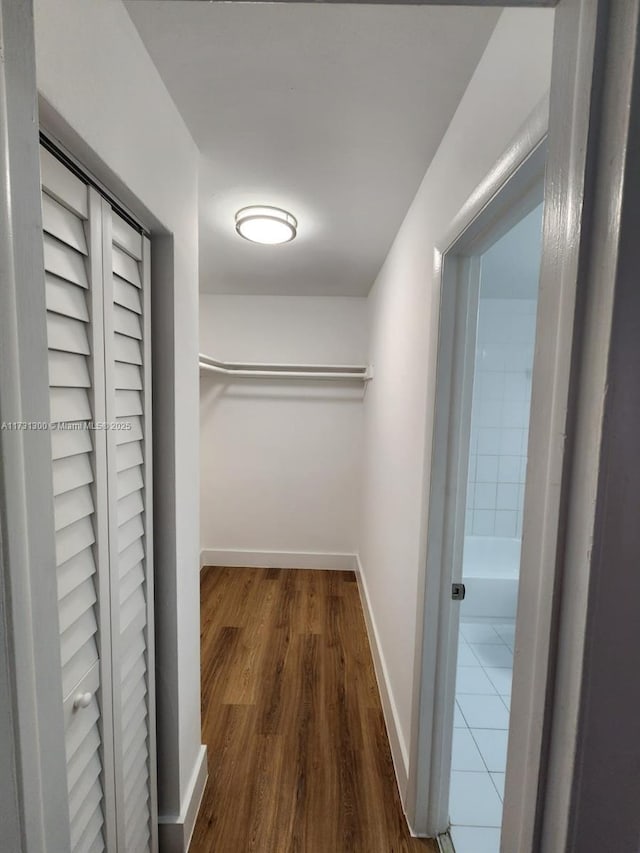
[
  {"x": 98, "y": 323},
  {"x": 76, "y": 367},
  {"x": 128, "y": 404}
]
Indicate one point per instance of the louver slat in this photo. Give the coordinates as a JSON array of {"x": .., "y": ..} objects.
[
  {"x": 69, "y": 405},
  {"x": 133, "y": 614},
  {"x": 129, "y": 481},
  {"x": 131, "y": 657},
  {"x": 67, "y": 334},
  {"x": 139, "y": 842},
  {"x": 130, "y": 506},
  {"x": 88, "y": 747},
  {"x": 137, "y": 778},
  {"x": 136, "y": 696},
  {"x": 130, "y": 580},
  {"x": 70, "y": 442},
  {"x": 63, "y": 224},
  {"x": 83, "y": 597},
  {"x": 73, "y": 539},
  {"x": 80, "y": 632},
  {"x": 134, "y": 676},
  {"x": 128, "y": 376},
  {"x": 127, "y": 349},
  {"x": 65, "y": 298},
  {"x": 126, "y": 238},
  {"x": 97, "y": 846},
  {"x": 76, "y": 570},
  {"x": 80, "y": 663},
  {"x": 128, "y": 455},
  {"x": 136, "y": 734},
  {"x": 71, "y": 472},
  {"x": 139, "y": 750},
  {"x": 137, "y": 809},
  {"x": 128, "y": 403},
  {"x": 86, "y": 811},
  {"x": 129, "y": 532},
  {"x": 78, "y": 731},
  {"x": 86, "y": 780},
  {"x": 63, "y": 185},
  {"x": 72, "y": 506},
  {"x": 94, "y": 826},
  {"x": 129, "y": 429},
  {"x": 126, "y": 267},
  {"x": 64, "y": 262},
  {"x": 126, "y": 295},
  {"x": 68, "y": 370},
  {"x": 126, "y": 322},
  {"x": 128, "y": 558}
]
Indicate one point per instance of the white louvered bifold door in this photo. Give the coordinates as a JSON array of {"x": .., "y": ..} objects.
[
  {"x": 72, "y": 218},
  {"x": 128, "y": 384},
  {"x": 98, "y": 322}
]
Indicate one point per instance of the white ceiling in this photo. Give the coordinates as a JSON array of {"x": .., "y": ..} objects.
[{"x": 331, "y": 111}]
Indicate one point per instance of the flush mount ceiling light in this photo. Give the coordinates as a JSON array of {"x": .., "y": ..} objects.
[{"x": 261, "y": 223}]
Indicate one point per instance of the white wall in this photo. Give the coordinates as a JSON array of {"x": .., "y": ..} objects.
[
  {"x": 116, "y": 115},
  {"x": 280, "y": 460},
  {"x": 511, "y": 78}
]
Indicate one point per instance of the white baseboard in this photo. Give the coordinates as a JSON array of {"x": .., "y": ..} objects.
[
  {"x": 175, "y": 831},
  {"x": 398, "y": 749},
  {"x": 277, "y": 559}
]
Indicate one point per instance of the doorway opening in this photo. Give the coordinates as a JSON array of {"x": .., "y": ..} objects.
[
  {"x": 502, "y": 345},
  {"x": 489, "y": 270}
]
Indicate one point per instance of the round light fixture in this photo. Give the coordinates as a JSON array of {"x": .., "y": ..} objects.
[{"x": 264, "y": 224}]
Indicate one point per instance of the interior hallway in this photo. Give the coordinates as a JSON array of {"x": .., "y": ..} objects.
[{"x": 298, "y": 754}]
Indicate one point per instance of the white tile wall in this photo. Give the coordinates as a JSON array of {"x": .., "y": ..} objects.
[{"x": 500, "y": 417}]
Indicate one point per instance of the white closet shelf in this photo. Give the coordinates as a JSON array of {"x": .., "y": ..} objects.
[{"x": 359, "y": 373}]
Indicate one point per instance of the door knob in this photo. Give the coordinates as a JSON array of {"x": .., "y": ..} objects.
[{"x": 82, "y": 700}]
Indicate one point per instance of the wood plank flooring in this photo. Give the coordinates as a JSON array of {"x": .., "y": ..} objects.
[{"x": 299, "y": 760}]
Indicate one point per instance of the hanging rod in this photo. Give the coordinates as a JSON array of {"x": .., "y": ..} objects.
[{"x": 286, "y": 371}]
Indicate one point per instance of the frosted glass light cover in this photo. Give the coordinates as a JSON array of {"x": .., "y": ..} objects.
[{"x": 265, "y": 224}]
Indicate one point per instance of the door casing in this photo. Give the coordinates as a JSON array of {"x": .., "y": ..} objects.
[{"x": 512, "y": 190}]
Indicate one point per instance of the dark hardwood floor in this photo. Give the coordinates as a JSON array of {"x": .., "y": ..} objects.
[{"x": 299, "y": 760}]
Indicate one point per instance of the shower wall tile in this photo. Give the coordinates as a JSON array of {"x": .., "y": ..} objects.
[
  {"x": 510, "y": 442},
  {"x": 510, "y": 469},
  {"x": 489, "y": 440},
  {"x": 508, "y": 495},
  {"x": 500, "y": 416},
  {"x": 506, "y": 523},
  {"x": 486, "y": 470},
  {"x": 484, "y": 522},
  {"x": 485, "y": 496}
]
